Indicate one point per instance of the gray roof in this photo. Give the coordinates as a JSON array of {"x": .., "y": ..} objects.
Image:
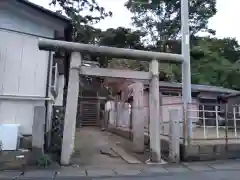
[
  {"x": 44, "y": 10},
  {"x": 233, "y": 95},
  {"x": 198, "y": 87}
]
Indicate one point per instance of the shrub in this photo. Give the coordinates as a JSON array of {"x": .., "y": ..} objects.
[{"x": 44, "y": 161}]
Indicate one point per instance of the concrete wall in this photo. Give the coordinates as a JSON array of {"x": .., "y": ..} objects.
[
  {"x": 210, "y": 152},
  {"x": 195, "y": 152}
]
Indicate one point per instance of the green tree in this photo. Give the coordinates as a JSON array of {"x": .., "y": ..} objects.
[
  {"x": 162, "y": 18},
  {"x": 216, "y": 62},
  {"x": 213, "y": 61},
  {"x": 161, "y": 22},
  {"x": 82, "y": 24},
  {"x": 128, "y": 38},
  {"x": 122, "y": 38}
]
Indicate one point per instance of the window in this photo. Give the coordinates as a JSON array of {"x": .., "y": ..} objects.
[
  {"x": 237, "y": 109},
  {"x": 54, "y": 79}
]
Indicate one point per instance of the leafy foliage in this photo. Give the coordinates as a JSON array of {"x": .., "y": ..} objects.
[
  {"x": 73, "y": 8},
  {"x": 162, "y": 18},
  {"x": 218, "y": 65},
  {"x": 121, "y": 38},
  {"x": 82, "y": 29},
  {"x": 213, "y": 61}
]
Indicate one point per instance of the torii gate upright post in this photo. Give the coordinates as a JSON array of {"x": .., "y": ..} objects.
[
  {"x": 71, "y": 109},
  {"x": 154, "y": 113}
]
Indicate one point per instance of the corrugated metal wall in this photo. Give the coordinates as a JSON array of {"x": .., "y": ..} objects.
[{"x": 23, "y": 72}]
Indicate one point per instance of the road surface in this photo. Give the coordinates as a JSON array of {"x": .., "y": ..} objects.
[
  {"x": 215, "y": 170},
  {"x": 206, "y": 175}
]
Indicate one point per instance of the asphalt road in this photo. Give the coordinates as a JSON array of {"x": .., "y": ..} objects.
[
  {"x": 207, "y": 175},
  {"x": 215, "y": 170},
  {"x": 204, "y": 175}
]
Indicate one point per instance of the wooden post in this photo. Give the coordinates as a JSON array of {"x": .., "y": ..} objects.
[
  {"x": 71, "y": 109},
  {"x": 174, "y": 132},
  {"x": 138, "y": 118},
  {"x": 154, "y": 113}
]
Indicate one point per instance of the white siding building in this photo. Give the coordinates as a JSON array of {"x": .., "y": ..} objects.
[{"x": 25, "y": 73}]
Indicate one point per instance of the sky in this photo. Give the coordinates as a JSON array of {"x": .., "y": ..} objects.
[{"x": 225, "y": 22}]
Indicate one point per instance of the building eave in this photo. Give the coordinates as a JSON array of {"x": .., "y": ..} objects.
[
  {"x": 44, "y": 10},
  {"x": 196, "y": 87}
]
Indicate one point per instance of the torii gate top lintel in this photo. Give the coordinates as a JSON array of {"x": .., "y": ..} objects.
[{"x": 54, "y": 45}]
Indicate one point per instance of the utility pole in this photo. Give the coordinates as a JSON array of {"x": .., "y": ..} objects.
[{"x": 186, "y": 68}]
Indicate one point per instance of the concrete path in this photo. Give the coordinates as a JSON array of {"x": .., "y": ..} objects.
[{"x": 99, "y": 148}]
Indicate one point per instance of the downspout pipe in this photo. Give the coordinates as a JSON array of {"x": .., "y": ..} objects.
[{"x": 68, "y": 37}]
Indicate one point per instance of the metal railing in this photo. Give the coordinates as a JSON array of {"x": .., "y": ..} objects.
[{"x": 209, "y": 121}]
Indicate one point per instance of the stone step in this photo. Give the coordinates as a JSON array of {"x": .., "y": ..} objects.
[
  {"x": 94, "y": 108},
  {"x": 90, "y": 109},
  {"x": 89, "y": 120},
  {"x": 89, "y": 124},
  {"x": 89, "y": 114},
  {"x": 89, "y": 105}
]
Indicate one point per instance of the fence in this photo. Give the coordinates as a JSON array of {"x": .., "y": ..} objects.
[
  {"x": 210, "y": 122},
  {"x": 216, "y": 122},
  {"x": 214, "y": 129}
]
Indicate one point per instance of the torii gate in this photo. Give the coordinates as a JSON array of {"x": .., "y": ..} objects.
[{"x": 73, "y": 87}]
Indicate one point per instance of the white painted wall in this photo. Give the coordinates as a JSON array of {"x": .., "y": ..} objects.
[{"x": 23, "y": 68}]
